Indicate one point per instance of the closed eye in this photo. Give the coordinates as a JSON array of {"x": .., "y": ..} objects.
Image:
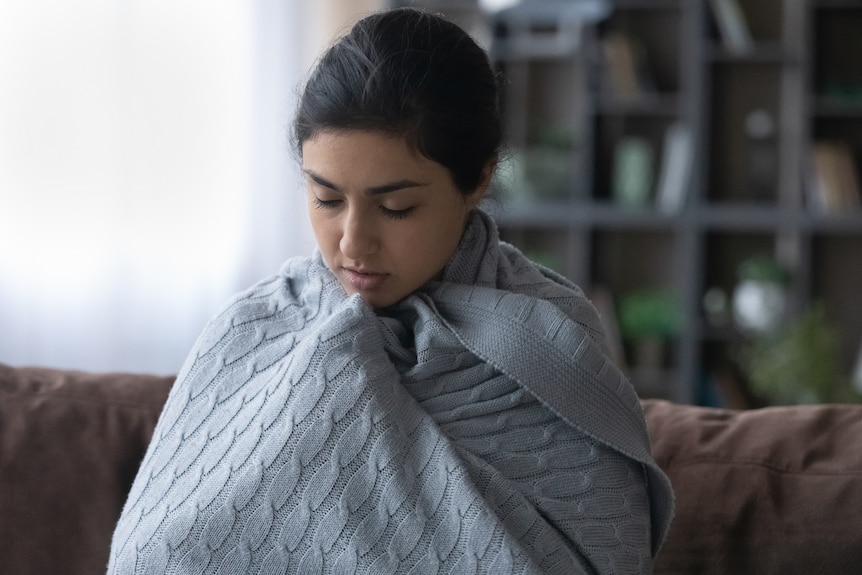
[
  {"x": 325, "y": 204},
  {"x": 395, "y": 214}
]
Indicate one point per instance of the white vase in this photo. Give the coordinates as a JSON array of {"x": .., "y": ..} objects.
[{"x": 759, "y": 306}]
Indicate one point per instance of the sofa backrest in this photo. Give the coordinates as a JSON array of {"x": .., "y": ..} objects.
[
  {"x": 774, "y": 490},
  {"x": 70, "y": 445}
]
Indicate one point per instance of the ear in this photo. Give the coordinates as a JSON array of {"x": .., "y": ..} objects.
[{"x": 485, "y": 181}]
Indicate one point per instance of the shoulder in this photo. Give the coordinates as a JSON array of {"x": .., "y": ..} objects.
[
  {"x": 523, "y": 275},
  {"x": 533, "y": 279},
  {"x": 289, "y": 298}
]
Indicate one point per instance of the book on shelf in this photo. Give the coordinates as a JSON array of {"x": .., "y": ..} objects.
[
  {"x": 675, "y": 174},
  {"x": 834, "y": 185},
  {"x": 732, "y": 25},
  {"x": 632, "y": 178},
  {"x": 627, "y": 69}
]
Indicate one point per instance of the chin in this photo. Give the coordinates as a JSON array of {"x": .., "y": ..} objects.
[{"x": 379, "y": 302}]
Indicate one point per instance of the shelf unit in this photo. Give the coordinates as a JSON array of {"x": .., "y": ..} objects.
[{"x": 752, "y": 118}]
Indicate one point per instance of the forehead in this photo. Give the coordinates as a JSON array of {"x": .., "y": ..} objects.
[
  {"x": 368, "y": 158},
  {"x": 359, "y": 143}
]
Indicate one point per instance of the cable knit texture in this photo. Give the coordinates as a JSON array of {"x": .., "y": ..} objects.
[{"x": 478, "y": 426}]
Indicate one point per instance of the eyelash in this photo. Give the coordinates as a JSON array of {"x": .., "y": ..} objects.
[
  {"x": 391, "y": 214},
  {"x": 324, "y": 204},
  {"x": 396, "y": 214}
]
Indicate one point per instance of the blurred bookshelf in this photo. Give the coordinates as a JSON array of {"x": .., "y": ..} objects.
[{"x": 656, "y": 145}]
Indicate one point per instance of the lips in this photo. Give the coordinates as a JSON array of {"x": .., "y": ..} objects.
[{"x": 364, "y": 280}]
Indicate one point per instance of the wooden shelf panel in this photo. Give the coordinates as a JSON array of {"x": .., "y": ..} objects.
[{"x": 585, "y": 215}]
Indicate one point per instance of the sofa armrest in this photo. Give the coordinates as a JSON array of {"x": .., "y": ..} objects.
[
  {"x": 771, "y": 490},
  {"x": 70, "y": 446}
]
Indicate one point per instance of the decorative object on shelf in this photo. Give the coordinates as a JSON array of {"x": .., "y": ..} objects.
[
  {"x": 760, "y": 296},
  {"x": 799, "y": 363},
  {"x": 648, "y": 319},
  {"x": 628, "y": 75},
  {"x": 549, "y": 164},
  {"x": 835, "y": 184},
  {"x": 675, "y": 176},
  {"x": 716, "y": 308},
  {"x": 762, "y": 154},
  {"x": 633, "y": 172},
  {"x": 732, "y": 25}
]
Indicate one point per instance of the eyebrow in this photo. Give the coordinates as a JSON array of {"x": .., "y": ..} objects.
[{"x": 374, "y": 190}]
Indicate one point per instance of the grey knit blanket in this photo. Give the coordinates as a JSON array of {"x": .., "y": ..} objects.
[{"x": 476, "y": 427}]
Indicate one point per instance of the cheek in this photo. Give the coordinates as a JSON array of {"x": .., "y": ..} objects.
[
  {"x": 432, "y": 243},
  {"x": 325, "y": 229}
]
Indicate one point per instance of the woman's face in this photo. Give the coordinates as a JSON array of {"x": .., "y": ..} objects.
[{"x": 386, "y": 218}]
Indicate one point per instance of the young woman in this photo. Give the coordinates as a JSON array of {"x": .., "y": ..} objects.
[{"x": 416, "y": 397}]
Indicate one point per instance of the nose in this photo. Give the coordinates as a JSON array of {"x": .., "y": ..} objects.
[{"x": 358, "y": 235}]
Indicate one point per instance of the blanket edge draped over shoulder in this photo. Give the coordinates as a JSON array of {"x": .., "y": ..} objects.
[
  {"x": 577, "y": 347},
  {"x": 306, "y": 434}
]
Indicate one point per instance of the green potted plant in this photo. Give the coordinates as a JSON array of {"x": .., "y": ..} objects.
[
  {"x": 798, "y": 363},
  {"x": 648, "y": 320}
]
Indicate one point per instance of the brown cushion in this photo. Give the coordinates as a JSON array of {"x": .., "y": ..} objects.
[
  {"x": 773, "y": 490},
  {"x": 70, "y": 445}
]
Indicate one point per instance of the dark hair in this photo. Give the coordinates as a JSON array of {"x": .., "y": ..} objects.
[{"x": 410, "y": 74}]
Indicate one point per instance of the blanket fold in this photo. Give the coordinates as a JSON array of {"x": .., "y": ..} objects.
[{"x": 475, "y": 427}]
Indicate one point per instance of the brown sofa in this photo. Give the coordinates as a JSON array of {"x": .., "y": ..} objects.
[{"x": 775, "y": 490}]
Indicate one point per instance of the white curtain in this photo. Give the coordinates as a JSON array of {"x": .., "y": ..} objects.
[{"x": 145, "y": 172}]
